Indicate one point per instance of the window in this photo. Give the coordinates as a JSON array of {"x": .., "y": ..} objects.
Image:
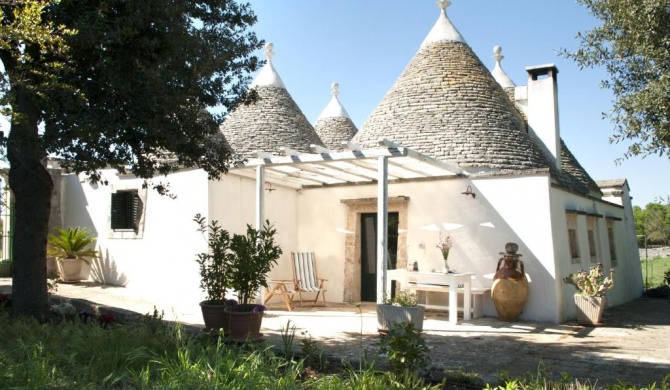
[
  {"x": 126, "y": 210},
  {"x": 593, "y": 249},
  {"x": 572, "y": 237},
  {"x": 610, "y": 238}
]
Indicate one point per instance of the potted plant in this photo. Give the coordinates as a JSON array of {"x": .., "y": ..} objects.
[
  {"x": 590, "y": 297},
  {"x": 214, "y": 269},
  {"x": 70, "y": 248},
  {"x": 252, "y": 257},
  {"x": 402, "y": 308}
]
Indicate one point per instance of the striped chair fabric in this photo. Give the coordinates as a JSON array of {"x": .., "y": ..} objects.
[{"x": 305, "y": 277}]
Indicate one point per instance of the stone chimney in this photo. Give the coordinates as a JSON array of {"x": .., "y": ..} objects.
[{"x": 542, "y": 108}]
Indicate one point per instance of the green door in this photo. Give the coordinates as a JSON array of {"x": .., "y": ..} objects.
[{"x": 369, "y": 252}]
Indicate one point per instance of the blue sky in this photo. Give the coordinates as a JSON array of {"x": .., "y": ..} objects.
[{"x": 364, "y": 45}]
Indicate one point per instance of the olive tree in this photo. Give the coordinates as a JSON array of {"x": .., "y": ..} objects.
[
  {"x": 115, "y": 83},
  {"x": 632, "y": 43}
]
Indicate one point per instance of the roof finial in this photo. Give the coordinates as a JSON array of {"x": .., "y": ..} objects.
[
  {"x": 335, "y": 88},
  {"x": 497, "y": 57},
  {"x": 268, "y": 51},
  {"x": 443, "y": 4},
  {"x": 443, "y": 30},
  {"x": 498, "y": 73},
  {"x": 268, "y": 77}
]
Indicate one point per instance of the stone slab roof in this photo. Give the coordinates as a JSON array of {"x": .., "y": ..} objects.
[
  {"x": 273, "y": 121},
  {"x": 335, "y": 130},
  {"x": 447, "y": 105}
]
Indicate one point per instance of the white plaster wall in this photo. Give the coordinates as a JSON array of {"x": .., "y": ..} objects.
[
  {"x": 162, "y": 262},
  {"x": 233, "y": 204},
  {"x": 521, "y": 209},
  {"x": 517, "y": 208},
  {"x": 628, "y": 276}
]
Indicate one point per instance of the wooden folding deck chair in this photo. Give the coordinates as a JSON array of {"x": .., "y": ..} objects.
[{"x": 305, "y": 279}]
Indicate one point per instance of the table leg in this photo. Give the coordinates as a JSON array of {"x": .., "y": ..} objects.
[
  {"x": 467, "y": 300},
  {"x": 453, "y": 303}
]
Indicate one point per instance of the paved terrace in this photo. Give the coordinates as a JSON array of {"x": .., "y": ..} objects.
[{"x": 634, "y": 346}]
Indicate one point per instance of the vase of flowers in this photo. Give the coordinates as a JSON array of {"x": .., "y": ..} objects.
[
  {"x": 590, "y": 297},
  {"x": 444, "y": 244}
]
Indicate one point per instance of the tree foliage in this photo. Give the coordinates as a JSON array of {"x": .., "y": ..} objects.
[
  {"x": 633, "y": 44},
  {"x": 653, "y": 222},
  {"x": 114, "y": 83}
]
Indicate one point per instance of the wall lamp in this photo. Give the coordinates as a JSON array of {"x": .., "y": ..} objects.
[
  {"x": 268, "y": 187},
  {"x": 468, "y": 191}
]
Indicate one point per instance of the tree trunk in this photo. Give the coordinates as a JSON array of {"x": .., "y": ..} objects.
[{"x": 32, "y": 187}]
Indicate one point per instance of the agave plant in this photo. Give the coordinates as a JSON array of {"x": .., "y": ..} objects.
[{"x": 71, "y": 243}]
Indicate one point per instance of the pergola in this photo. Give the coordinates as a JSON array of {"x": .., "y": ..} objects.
[{"x": 390, "y": 163}]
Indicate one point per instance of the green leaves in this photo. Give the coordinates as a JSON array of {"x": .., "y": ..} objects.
[
  {"x": 71, "y": 243},
  {"x": 238, "y": 262},
  {"x": 633, "y": 44}
]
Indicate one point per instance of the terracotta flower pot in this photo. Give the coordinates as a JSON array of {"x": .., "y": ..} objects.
[
  {"x": 589, "y": 309},
  {"x": 214, "y": 316},
  {"x": 70, "y": 269},
  {"x": 244, "y": 325}
]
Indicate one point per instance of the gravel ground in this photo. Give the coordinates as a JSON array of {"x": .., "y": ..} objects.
[{"x": 633, "y": 345}]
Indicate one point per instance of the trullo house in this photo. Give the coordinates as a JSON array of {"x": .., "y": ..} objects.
[{"x": 453, "y": 148}]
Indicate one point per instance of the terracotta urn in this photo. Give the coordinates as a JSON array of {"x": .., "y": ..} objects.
[{"x": 509, "y": 291}]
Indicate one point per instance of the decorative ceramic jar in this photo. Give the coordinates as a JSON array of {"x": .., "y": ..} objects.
[{"x": 509, "y": 291}]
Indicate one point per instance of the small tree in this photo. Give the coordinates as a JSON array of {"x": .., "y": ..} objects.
[{"x": 252, "y": 257}]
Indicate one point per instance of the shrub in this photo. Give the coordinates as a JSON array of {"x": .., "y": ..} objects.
[{"x": 405, "y": 347}]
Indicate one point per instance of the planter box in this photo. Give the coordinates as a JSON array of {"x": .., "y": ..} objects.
[
  {"x": 387, "y": 315},
  {"x": 589, "y": 309},
  {"x": 5, "y": 269}
]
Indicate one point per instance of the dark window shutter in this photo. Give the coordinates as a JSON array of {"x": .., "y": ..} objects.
[
  {"x": 126, "y": 209},
  {"x": 136, "y": 211}
]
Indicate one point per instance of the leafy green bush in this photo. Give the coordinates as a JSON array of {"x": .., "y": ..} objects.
[{"x": 406, "y": 349}]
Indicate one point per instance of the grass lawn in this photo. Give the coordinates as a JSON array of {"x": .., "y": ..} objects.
[{"x": 656, "y": 268}]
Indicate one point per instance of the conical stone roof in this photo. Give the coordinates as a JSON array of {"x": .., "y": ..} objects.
[
  {"x": 274, "y": 120},
  {"x": 334, "y": 126},
  {"x": 447, "y": 105}
]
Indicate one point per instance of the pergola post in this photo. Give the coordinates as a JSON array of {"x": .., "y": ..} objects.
[
  {"x": 260, "y": 196},
  {"x": 382, "y": 226}
]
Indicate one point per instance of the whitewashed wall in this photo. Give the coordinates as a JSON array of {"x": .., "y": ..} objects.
[
  {"x": 523, "y": 209},
  {"x": 232, "y": 203},
  {"x": 517, "y": 208},
  {"x": 628, "y": 274},
  {"x": 164, "y": 257}
]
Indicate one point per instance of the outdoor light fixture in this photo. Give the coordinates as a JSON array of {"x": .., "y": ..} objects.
[
  {"x": 468, "y": 191},
  {"x": 268, "y": 187}
]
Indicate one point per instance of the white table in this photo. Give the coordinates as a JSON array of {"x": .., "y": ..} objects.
[{"x": 437, "y": 282}]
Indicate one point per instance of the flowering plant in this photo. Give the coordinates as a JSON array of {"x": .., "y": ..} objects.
[
  {"x": 444, "y": 244},
  {"x": 593, "y": 283},
  {"x": 403, "y": 298}
]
